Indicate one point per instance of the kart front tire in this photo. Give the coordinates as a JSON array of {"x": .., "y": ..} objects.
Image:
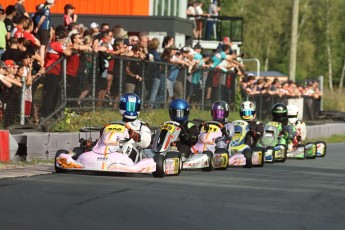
[
  {"x": 273, "y": 153},
  {"x": 324, "y": 151},
  {"x": 210, "y": 162},
  {"x": 262, "y": 150},
  {"x": 248, "y": 154},
  {"x": 175, "y": 155},
  {"x": 222, "y": 150},
  {"x": 58, "y": 169},
  {"x": 160, "y": 166}
]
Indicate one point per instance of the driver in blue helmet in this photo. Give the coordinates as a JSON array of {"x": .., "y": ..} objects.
[
  {"x": 139, "y": 132},
  {"x": 179, "y": 112}
]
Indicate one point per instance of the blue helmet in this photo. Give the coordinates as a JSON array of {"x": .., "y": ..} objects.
[
  {"x": 130, "y": 104},
  {"x": 179, "y": 110}
]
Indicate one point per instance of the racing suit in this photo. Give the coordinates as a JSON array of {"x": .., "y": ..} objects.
[
  {"x": 228, "y": 132},
  {"x": 140, "y": 135},
  {"x": 188, "y": 138},
  {"x": 256, "y": 130},
  {"x": 297, "y": 131}
]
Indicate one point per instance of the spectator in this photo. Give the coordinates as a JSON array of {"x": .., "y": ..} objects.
[
  {"x": 3, "y": 32},
  {"x": 69, "y": 15},
  {"x": 43, "y": 27},
  {"x": 168, "y": 41},
  {"x": 213, "y": 10},
  {"x": 4, "y": 82},
  {"x": 106, "y": 49},
  {"x": 143, "y": 41},
  {"x": 11, "y": 95},
  {"x": 51, "y": 84},
  {"x": 199, "y": 13},
  {"x": 20, "y": 11},
  {"x": 22, "y": 25},
  {"x": 13, "y": 51},
  {"x": 34, "y": 42},
  {"x": 191, "y": 15},
  {"x": 134, "y": 71},
  {"x": 133, "y": 40},
  {"x": 10, "y": 13},
  {"x": 84, "y": 70}
]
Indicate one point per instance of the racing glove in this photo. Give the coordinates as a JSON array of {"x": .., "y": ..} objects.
[
  {"x": 134, "y": 135},
  {"x": 205, "y": 125}
]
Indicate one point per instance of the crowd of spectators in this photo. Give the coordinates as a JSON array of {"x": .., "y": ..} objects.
[
  {"x": 250, "y": 86},
  {"x": 36, "y": 47},
  {"x": 32, "y": 48}
]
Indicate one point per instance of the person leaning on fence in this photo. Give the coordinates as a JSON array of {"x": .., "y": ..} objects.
[
  {"x": 84, "y": 69},
  {"x": 51, "y": 82},
  {"x": 134, "y": 70},
  {"x": 12, "y": 94}
]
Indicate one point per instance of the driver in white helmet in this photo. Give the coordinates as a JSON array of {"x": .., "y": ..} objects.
[
  {"x": 256, "y": 128},
  {"x": 296, "y": 126}
]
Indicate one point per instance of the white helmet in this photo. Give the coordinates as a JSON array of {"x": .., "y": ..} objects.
[
  {"x": 247, "y": 110},
  {"x": 292, "y": 113}
]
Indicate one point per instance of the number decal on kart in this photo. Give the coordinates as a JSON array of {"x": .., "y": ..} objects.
[
  {"x": 168, "y": 127},
  {"x": 211, "y": 129},
  {"x": 115, "y": 128}
]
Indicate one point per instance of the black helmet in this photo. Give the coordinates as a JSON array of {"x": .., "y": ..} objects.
[
  {"x": 279, "y": 113},
  {"x": 220, "y": 111}
]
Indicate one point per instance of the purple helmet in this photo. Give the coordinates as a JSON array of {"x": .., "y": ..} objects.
[{"x": 220, "y": 111}]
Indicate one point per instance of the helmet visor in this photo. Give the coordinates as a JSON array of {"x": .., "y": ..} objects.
[
  {"x": 218, "y": 114},
  {"x": 179, "y": 113},
  {"x": 246, "y": 113}
]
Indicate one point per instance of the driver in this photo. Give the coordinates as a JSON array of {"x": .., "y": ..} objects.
[
  {"x": 179, "y": 112},
  {"x": 256, "y": 128},
  {"x": 138, "y": 131},
  {"x": 279, "y": 114},
  {"x": 220, "y": 113},
  {"x": 296, "y": 126}
]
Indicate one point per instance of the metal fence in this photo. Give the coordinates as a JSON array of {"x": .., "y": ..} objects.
[{"x": 101, "y": 83}]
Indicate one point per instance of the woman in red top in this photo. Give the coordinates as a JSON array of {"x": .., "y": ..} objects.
[{"x": 69, "y": 15}]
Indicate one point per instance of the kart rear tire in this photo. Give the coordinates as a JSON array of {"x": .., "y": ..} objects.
[
  {"x": 273, "y": 153},
  {"x": 57, "y": 169},
  {"x": 175, "y": 155},
  {"x": 248, "y": 154},
  {"x": 160, "y": 166},
  {"x": 262, "y": 150},
  {"x": 210, "y": 161},
  {"x": 324, "y": 143}
]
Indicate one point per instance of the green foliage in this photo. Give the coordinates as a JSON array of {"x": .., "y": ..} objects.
[{"x": 153, "y": 117}]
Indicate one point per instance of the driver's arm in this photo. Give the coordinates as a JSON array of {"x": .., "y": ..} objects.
[{"x": 145, "y": 134}]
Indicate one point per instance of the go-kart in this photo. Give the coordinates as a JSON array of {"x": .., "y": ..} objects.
[
  {"x": 113, "y": 152},
  {"x": 166, "y": 156},
  {"x": 275, "y": 147},
  {"x": 241, "y": 154},
  {"x": 296, "y": 149},
  {"x": 208, "y": 153}
]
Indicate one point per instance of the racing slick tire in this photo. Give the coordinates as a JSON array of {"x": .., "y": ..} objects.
[
  {"x": 160, "y": 166},
  {"x": 223, "y": 150},
  {"x": 285, "y": 153},
  {"x": 248, "y": 154},
  {"x": 175, "y": 155},
  {"x": 57, "y": 169},
  {"x": 271, "y": 148},
  {"x": 314, "y": 156},
  {"x": 210, "y": 161},
  {"x": 324, "y": 150},
  {"x": 262, "y": 150}
]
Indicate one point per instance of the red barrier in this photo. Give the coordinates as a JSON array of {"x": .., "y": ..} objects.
[{"x": 4, "y": 146}]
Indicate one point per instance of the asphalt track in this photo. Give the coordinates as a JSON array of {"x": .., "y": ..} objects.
[{"x": 298, "y": 194}]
